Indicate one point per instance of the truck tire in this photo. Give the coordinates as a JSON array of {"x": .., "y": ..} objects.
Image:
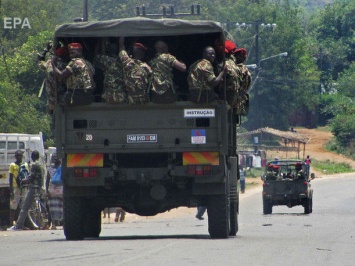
[
  {"x": 218, "y": 218},
  {"x": 233, "y": 219},
  {"x": 92, "y": 227},
  {"x": 233, "y": 204},
  {"x": 307, "y": 206},
  {"x": 74, "y": 217},
  {"x": 267, "y": 207}
]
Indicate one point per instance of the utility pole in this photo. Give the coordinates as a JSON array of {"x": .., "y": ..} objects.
[{"x": 230, "y": 24}]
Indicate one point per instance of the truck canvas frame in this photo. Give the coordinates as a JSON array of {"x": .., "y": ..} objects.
[{"x": 149, "y": 158}]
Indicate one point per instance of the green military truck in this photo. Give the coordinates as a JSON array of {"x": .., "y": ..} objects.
[{"x": 150, "y": 158}]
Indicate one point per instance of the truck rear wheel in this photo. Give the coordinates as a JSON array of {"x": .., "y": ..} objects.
[
  {"x": 218, "y": 218},
  {"x": 92, "y": 227},
  {"x": 233, "y": 219},
  {"x": 267, "y": 207},
  {"x": 74, "y": 217}
]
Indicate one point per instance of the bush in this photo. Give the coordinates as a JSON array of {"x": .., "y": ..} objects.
[{"x": 343, "y": 128}]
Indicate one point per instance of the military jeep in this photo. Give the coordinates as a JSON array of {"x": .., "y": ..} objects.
[{"x": 286, "y": 183}]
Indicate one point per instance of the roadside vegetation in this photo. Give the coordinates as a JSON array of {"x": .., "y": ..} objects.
[{"x": 328, "y": 167}]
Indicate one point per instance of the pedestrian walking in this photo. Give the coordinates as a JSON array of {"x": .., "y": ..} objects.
[{"x": 34, "y": 182}]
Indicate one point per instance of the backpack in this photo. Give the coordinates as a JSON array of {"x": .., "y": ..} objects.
[
  {"x": 22, "y": 174},
  {"x": 57, "y": 176}
]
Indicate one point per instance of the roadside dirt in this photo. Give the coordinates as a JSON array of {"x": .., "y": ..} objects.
[
  {"x": 315, "y": 149},
  {"x": 315, "y": 146}
]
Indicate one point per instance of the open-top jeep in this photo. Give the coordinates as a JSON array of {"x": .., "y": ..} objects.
[{"x": 286, "y": 183}]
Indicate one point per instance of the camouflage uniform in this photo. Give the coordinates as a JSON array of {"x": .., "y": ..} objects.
[
  {"x": 244, "y": 83},
  {"x": 37, "y": 171},
  {"x": 162, "y": 66},
  {"x": 80, "y": 83},
  {"x": 200, "y": 80},
  {"x": 82, "y": 75},
  {"x": 232, "y": 82},
  {"x": 52, "y": 83},
  {"x": 113, "y": 91},
  {"x": 137, "y": 76},
  {"x": 238, "y": 80}
]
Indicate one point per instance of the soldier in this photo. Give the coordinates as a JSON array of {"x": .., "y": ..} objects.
[
  {"x": 78, "y": 75},
  {"x": 34, "y": 182},
  {"x": 244, "y": 78},
  {"x": 201, "y": 78},
  {"x": 137, "y": 74},
  {"x": 162, "y": 65},
  {"x": 232, "y": 80},
  {"x": 53, "y": 85},
  {"x": 113, "y": 91}
]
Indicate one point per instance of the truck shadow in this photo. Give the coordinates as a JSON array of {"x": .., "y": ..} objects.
[
  {"x": 149, "y": 237},
  {"x": 287, "y": 214}
]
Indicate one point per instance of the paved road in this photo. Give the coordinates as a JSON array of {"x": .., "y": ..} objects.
[{"x": 287, "y": 237}]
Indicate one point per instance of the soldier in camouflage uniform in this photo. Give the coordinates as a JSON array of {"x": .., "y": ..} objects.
[
  {"x": 34, "y": 182},
  {"x": 232, "y": 80},
  {"x": 78, "y": 75},
  {"x": 53, "y": 85},
  {"x": 202, "y": 80},
  {"x": 244, "y": 80},
  {"x": 113, "y": 90},
  {"x": 162, "y": 65},
  {"x": 137, "y": 74}
]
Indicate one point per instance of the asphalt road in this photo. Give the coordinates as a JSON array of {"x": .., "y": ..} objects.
[{"x": 287, "y": 237}]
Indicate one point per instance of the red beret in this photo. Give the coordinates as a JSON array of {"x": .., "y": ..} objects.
[
  {"x": 229, "y": 47},
  {"x": 75, "y": 45},
  {"x": 140, "y": 45},
  {"x": 62, "y": 52},
  {"x": 241, "y": 50}
]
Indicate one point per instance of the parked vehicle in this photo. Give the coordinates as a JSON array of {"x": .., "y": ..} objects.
[
  {"x": 9, "y": 144},
  {"x": 286, "y": 183}
]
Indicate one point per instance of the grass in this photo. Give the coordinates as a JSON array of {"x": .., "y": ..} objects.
[
  {"x": 254, "y": 172},
  {"x": 328, "y": 167},
  {"x": 251, "y": 175}
]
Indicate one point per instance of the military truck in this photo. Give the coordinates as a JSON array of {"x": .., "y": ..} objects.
[
  {"x": 286, "y": 183},
  {"x": 149, "y": 158}
]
